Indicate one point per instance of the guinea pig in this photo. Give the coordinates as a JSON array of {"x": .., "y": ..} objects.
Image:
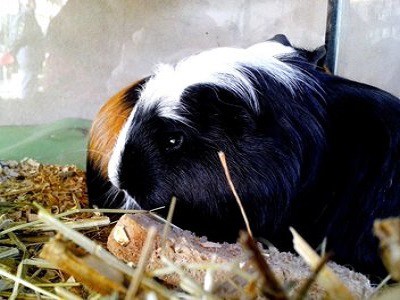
[{"x": 304, "y": 148}]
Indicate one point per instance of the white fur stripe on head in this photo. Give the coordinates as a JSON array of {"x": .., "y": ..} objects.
[{"x": 224, "y": 67}]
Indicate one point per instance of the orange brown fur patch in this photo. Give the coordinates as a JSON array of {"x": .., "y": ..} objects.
[{"x": 105, "y": 129}]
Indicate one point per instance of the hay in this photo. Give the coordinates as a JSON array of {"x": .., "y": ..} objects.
[{"x": 54, "y": 249}]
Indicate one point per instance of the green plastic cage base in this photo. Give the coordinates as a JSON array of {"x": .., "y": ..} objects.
[{"x": 63, "y": 142}]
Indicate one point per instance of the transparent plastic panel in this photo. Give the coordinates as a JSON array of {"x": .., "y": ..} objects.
[
  {"x": 88, "y": 50},
  {"x": 369, "y": 43}
]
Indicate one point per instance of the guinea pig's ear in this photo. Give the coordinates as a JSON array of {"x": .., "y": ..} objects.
[
  {"x": 317, "y": 57},
  {"x": 282, "y": 39}
]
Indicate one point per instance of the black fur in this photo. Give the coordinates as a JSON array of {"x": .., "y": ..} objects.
[
  {"x": 325, "y": 161},
  {"x": 316, "y": 57}
]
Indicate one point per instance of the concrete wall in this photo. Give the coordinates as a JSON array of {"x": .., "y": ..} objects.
[{"x": 96, "y": 47}]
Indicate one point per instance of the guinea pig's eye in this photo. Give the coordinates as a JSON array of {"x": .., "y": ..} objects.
[{"x": 172, "y": 141}]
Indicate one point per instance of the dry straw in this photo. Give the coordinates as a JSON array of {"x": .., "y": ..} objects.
[{"x": 60, "y": 192}]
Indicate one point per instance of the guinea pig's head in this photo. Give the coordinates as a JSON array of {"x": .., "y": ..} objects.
[{"x": 244, "y": 102}]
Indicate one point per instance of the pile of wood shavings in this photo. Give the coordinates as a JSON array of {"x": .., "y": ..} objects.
[{"x": 58, "y": 188}]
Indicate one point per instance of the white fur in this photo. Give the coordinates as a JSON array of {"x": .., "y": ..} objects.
[
  {"x": 221, "y": 67},
  {"x": 115, "y": 159},
  {"x": 130, "y": 203}
]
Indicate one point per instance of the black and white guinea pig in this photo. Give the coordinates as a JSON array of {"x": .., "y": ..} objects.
[{"x": 304, "y": 148}]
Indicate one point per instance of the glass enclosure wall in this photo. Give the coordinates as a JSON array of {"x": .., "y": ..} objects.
[
  {"x": 369, "y": 43},
  {"x": 74, "y": 54},
  {"x": 81, "y": 52}
]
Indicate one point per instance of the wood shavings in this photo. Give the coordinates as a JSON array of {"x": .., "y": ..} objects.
[
  {"x": 388, "y": 232},
  {"x": 120, "y": 236},
  {"x": 57, "y": 187},
  {"x": 61, "y": 189}
]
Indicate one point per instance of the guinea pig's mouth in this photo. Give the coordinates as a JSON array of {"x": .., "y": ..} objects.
[{"x": 129, "y": 202}]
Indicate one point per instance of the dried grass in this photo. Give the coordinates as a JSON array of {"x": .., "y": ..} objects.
[{"x": 54, "y": 249}]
